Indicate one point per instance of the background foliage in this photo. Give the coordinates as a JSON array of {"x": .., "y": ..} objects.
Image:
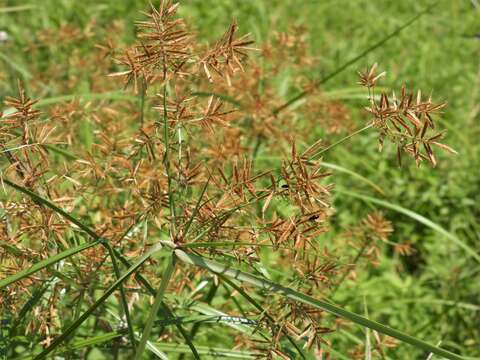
[{"x": 431, "y": 293}]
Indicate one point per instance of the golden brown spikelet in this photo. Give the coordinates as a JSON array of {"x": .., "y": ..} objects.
[
  {"x": 226, "y": 57},
  {"x": 406, "y": 121}
]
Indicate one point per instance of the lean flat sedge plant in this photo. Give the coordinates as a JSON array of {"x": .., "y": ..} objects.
[{"x": 151, "y": 229}]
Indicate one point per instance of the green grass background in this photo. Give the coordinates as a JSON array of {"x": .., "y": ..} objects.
[{"x": 434, "y": 294}]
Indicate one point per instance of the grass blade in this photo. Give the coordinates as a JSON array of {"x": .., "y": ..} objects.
[
  {"x": 167, "y": 312},
  {"x": 37, "y": 198},
  {"x": 342, "y": 140},
  {"x": 207, "y": 319},
  {"x": 208, "y": 351},
  {"x": 156, "y": 306},
  {"x": 197, "y": 207},
  {"x": 287, "y": 292},
  {"x": 56, "y": 149},
  {"x": 44, "y": 263},
  {"x": 368, "y": 345},
  {"x": 123, "y": 296},
  {"x": 114, "y": 95},
  {"x": 29, "y": 305},
  {"x": 352, "y": 61},
  {"x": 97, "y": 303},
  {"x": 11, "y": 9},
  {"x": 16, "y": 66},
  {"x": 212, "y": 312},
  {"x": 78, "y": 345},
  {"x": 354, "y": 174}
]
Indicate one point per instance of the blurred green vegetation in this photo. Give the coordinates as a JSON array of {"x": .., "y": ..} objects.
[{"x": 432, "y": 294}]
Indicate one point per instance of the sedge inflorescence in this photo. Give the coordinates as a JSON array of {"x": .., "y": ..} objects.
[{"x": 180, "y": 164}]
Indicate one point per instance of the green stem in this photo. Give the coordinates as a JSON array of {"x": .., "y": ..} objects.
[
  {"x": 166, "y": 159},
  {"x": 44, "y": 263},
  {"x": 143, "y": 92},
  {"x": 354, "y": 263},
  {"x": 76, "y": 324},
  {"x": 123, "y": 297},
  {"x": 156, "y": 306},
  {"x": 353, "y": 60},
  {"x": 317, "y": 154}
]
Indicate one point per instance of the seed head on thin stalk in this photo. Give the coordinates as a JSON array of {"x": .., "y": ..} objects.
[
  {"x": 226, "y": 57},
  {"x": 162, "y": 50},
  {"x": 406, "y": 121}
]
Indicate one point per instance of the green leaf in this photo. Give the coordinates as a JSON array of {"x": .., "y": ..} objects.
[
  {"x": 208, "y": 319},
  {"x": 212, "y": 352},
  {"x": 156, "y": 306},
  {"x": 10, "y": 9},
  {"x": 287, "y": 292},
  {"x": 86, "y": 343},
  {"x": 114, "y": 95},
  {"x": 85, "y": 134},
  {"x": 214, "y": 313},
  {"x": 15, "y": 66},
  {"x": 44, "y": 263},
  {"x": 55, "y": 344},
  {"x": 40, "y": 200},
  {"x": 354, "y": 174}
]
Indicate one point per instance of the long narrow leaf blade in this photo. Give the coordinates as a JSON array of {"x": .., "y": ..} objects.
[
  {"x": 37, "y": 198},
  {"x": 352, "y": 61},
  {"x": 44, "y": 263},
  {"x": 97, "y": 303},
  {"x": 271, "y": 286},
  {"x": 156, "y": 306}
]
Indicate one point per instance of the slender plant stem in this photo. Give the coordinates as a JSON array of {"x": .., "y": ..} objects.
[
  {"x": 76, "y": 324},
  {"x": 357, "y": 257},
  {"x": 197, "y": 208},
  {"x": 342, "y": 140},
  {"x": 143, "y": 93},
  {"x": 123, "y": 296},
  {"x": 166, "y": 160},
  {"x": 166, "y": 310},
  {"x": 352, "y": 61},
  {"x": 156, "y": 306}
]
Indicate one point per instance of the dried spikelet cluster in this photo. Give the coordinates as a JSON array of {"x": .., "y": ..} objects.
[
  {"x": 379, "y": 349},
  {"x": 177, "y": 163},
  {"x": 405, "y": 121},
  {"x": 226, "y": 57},
  {"x": 22, "y": 135},
  {"x": 366, "y": 239},
  {"x": 163, "y": 48}
]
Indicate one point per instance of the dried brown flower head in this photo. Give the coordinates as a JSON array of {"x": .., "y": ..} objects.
[
  {"x": 226, "y": 57},
  {"x": 405, "y": 121}
]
